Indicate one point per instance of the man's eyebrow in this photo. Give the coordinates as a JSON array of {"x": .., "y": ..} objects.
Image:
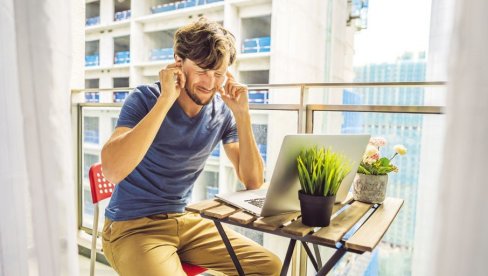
[{"x": 216, "y": 70}]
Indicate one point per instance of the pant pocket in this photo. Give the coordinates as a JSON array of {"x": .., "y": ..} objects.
[{"x": 106, "y": 242}]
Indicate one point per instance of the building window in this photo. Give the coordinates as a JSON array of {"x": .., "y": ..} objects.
[
  {"x": 91, "y": 130},
  {"x": 88, "y": 161},
  {"x": 114, "y": 123}
]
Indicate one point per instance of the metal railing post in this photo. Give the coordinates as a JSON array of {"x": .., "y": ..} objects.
[
  {"x": 309, "y": 120},
  {"x": 79, "y": 158},
  {"x": 302, "y": 109}
]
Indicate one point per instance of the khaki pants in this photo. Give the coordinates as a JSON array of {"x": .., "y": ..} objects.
[{"x": 156, "y": 245}]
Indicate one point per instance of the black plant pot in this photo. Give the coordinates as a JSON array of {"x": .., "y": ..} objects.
[{"x": 316, "y": 210}]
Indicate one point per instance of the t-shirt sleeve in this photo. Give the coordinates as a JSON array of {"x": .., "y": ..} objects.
[
  {"x": 134, "y": 109},
  {"x": 230, "y": 131}
]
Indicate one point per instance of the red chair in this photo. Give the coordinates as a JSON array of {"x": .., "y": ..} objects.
[{"x": 101, "y": 189}]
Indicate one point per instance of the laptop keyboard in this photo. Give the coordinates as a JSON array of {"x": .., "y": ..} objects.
[{"x": 258, "y": 202}]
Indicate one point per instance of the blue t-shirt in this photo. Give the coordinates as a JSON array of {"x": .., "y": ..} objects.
[{"x": 162, "y": 182}]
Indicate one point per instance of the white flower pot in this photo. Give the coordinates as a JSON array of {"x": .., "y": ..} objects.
[{"x": 370, "y": 188}]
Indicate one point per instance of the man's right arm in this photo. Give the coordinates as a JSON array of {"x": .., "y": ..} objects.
[{"x": 127, "y": 146}]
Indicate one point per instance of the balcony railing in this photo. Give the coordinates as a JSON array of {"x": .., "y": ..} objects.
[{"x": 318, "y": 108}]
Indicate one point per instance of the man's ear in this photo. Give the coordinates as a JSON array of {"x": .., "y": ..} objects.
[{"x": 178, "y": 60}]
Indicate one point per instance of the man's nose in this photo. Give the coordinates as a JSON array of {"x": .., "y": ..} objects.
[{"x": 209, "y": 80}]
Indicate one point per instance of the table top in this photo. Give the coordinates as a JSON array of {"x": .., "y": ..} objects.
[{"x": 357, "y": 226}]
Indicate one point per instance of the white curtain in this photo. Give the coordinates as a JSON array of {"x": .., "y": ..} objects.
[
  {"x": 37, "y": 197},
  {"x": 462, "y": 217}
]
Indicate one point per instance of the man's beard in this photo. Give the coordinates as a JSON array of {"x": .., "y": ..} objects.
[{"x": 195, "y": 99}]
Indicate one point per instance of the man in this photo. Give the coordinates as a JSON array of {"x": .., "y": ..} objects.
[{"x": 163, "y": 137}]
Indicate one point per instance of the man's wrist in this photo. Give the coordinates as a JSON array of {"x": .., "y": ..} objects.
[
  {"x": 242, "y": 115},
  {"x": 165, "y": 101}
]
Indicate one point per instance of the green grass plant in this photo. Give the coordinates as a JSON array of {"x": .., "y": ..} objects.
[{"x": 321, "y": 171}]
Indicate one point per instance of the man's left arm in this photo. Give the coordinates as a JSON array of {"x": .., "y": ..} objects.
[{"x": 244, "y": 154}]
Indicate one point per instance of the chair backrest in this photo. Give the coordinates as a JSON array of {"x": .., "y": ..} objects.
[{"x": 100, "y": 187}]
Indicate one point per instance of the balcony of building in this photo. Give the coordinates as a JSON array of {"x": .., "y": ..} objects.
[
  {"x": 66, "y": 74},
  {"x": 320, "y": 108}
]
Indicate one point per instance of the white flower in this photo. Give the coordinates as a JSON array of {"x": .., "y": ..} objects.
[
  {"x": 400, "y": 149},
  {"x": 377, "y": 141},
  {"x": 370, "y": 151},
  {"x": 369, "y": 160}
]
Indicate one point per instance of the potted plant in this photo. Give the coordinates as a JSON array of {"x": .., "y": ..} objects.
[
  {"x": 372, "y": 175},
  {"x": 320, "y": 173}
]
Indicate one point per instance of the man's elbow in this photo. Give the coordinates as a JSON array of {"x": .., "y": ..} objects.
[
  {"x": 107, "y": 170},
  {"x": 108, "y": 175},
  {"x": 254, "y": 183}
]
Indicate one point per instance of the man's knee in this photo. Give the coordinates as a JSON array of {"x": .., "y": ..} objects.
[
  {"x": 271, "y": 265},
  {"x": 275, "y": 264}
]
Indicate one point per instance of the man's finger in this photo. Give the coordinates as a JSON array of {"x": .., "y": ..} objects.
[
  {"x": 240, "y": 90},
  {"x": 228, "y": 87},
  {"x": 172, "y": 65},
  {"x": 229, "y": 75},
  {"x": 180, "y": 78},
  {"x": 233, "y": 91},
  {"x": 172, "y": 71},
  {"x": 172, "y": 74},
  {"x": 225, "y": 97},
  {"x": 221, "y": 90}
]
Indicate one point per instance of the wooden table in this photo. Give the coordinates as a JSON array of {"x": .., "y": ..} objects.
[{"x": 355, "y": 227}]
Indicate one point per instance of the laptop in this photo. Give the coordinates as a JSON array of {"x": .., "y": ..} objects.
[{"x": 282, "y": 194}]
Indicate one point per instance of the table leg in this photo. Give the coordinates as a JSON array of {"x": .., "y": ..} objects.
[
  {"x": 229, "y": 248},
  {"x": 310, "y": 256},
  {"x": 289, "y": 252},
  {"x": 317, "y": 255},
  {"x": 332, "y": 262}
]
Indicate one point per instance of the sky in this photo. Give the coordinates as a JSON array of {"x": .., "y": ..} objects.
[{"x": 394, "y": 27}]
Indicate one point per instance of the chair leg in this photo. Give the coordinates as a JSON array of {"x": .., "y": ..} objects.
[{"x": 93, "y": 255}]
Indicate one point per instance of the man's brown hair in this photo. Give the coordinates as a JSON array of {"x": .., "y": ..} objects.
[{"x": 206, "y": 43}]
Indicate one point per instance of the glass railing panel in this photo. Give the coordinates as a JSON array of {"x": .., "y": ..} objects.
[
  {"x": 422, "y": 135},
  {"x": 177, "y": 5},
  {"x": 122, "y": 15},
  {"x": 219, "y": 174},
  {"x": 282, "y": 95},
  {"x": 94, "y": 136}
]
